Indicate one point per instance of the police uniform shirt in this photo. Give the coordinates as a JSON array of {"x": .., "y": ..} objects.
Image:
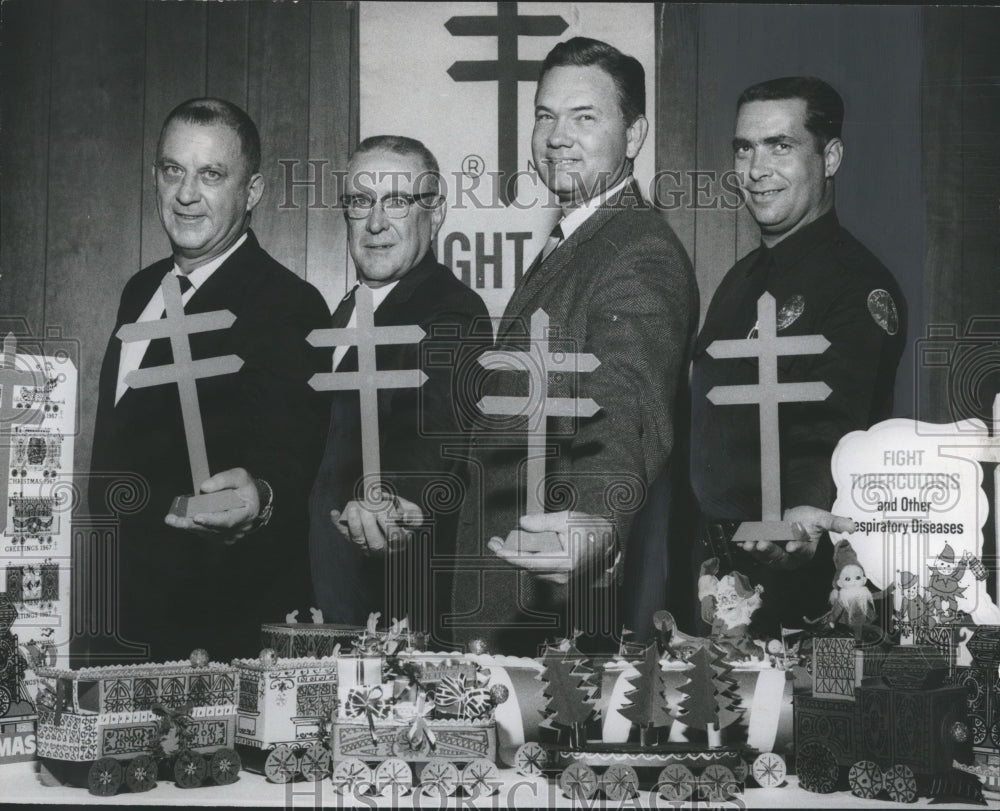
[{"x": 824, "y": 282}]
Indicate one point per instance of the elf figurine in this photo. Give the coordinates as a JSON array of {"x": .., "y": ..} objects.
[{"x": 944, "y": 589}]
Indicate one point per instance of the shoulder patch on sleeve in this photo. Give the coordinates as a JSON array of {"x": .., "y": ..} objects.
[{"x": 883, "y": 310}]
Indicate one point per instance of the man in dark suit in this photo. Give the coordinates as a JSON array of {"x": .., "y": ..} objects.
[
  {"x": 208, "y": 581},
  {"x": 394, "y": 207},
  {"x": 616, "y": 283}
]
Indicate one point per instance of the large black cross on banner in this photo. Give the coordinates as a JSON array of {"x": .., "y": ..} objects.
[
  {"x": 767, "y": 393},
  {"x": 506, "y": 70},
  {"x": 10, "y": 414},
  {"x": 367, "y": 380},
  {"x": 185, "y": 373},
  {"x": 538, "y": 406}
]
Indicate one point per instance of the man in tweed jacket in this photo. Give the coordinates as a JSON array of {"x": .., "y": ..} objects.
[{"x": 615, "y": 282}]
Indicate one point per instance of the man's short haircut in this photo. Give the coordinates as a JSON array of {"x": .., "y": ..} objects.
[
  {"x": 824, "y": 106},
  {"x": 401, "y": 145},
  {"x": 626, "y": 71},
  {"x": 208, "y": 111}
]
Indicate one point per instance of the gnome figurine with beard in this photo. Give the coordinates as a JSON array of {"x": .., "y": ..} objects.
[{"x": 852, "y": 603}]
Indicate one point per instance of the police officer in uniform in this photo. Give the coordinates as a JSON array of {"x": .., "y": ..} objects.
[{"x": 787, "y": 147}]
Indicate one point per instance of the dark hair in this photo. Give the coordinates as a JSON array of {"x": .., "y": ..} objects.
[
  {"x": 208, "y": 111},
  {"x": 626, "y": 71},
  {"x": 401, "y": 145},
  {"x": 824, "y": 106}
]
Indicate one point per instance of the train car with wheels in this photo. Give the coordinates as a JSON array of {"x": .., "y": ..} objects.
[
  {"x": 282, "y": 707},
  {"x": 430, "y": 728},
  {"x": 678, "y": 772},
  {"x": 130, "y": 725}
]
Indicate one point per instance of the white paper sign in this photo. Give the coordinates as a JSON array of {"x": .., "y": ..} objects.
[{"x": 917, "y": 499}]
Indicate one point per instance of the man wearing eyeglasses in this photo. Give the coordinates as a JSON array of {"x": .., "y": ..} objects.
[{"x": 394, "y": 206}]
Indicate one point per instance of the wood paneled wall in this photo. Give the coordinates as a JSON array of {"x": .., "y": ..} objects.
[
  {"x": 707, "y": 54},
  {"x": 86, "y": 86},
  {"x": 961, "y": 103},
  {"x": 87, "y": 83}
]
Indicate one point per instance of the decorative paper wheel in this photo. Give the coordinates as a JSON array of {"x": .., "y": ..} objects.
[
  {"x": 440, "y": 777},
  {"x": 281, "y": 764},
  {"x": 225, "y": 767},
  {"x": 481, "y": 778},
  {"x": 578, "y": 781},
  {"x": 140, "y": 774},
  {"x": 105, "y": 777},
  {"x": 717, "y": 782},
  {"x": 769, "y": 770},
  {"x": 865, "y": 779},
  {"x": 351, "y": 777},
  {"x": 995, "y": 734},
  {"x": 900, "y": 784},
  {"x": 5, "y": 701},
  {"x": 675, "y": 783},
  {"x": 393, "y": 776},
  {"x": 740, "y": 770},
  {"x": 190, "y": 770},
  {"x": 530, "y": 759},
  {"x": 817, "y": 767},
  {"x": 620, "y": 782},
  {"x": 978, "y": 730},
  {"x": 315, "y": 762}
]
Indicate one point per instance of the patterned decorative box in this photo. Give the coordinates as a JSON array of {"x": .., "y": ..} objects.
[
  {"x": 837, "y": 667},
  {"x": 459, "y": 741},
  {"x": 911, "y": 727},
  {"x": 829, "y": 721},
  {"x": 982, "y": 685},
  {"x": 295, "y": 640}
]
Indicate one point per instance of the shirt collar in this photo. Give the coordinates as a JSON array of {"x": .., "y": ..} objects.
[
  {"x": 379, "y": 294},
  {"x": 575, "y": 217},
  {"x": 795, "y": 246},
  {"x": 200, "y": 274}
]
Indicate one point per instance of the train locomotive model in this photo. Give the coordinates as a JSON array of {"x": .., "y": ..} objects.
[
  {"x": 897, "y": 732},
  {"x": 105, "y": 726}
]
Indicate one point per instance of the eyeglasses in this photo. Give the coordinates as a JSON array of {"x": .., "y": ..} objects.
[{"x": 396, "y": 206}]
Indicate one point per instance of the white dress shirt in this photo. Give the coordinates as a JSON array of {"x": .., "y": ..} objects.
[{"x": 133, "y": 352}]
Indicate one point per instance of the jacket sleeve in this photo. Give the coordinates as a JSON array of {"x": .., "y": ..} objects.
[{"x": 640, "y": 326}]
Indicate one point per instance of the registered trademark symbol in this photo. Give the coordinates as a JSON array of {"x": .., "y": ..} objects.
[{"x": 473, "y": 165}]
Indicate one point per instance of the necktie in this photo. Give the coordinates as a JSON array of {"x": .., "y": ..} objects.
[
  {"x": 159, "y": 351},
  {"x": 555, "y": 237},
  {"x": 341, "y": 318}
]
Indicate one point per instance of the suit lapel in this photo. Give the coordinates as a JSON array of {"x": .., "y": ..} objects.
[{"x": 526, "y": 295}]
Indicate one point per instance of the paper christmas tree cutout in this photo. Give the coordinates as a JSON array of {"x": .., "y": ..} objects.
[
  {"x": 569, "y": 698},
  {"x": 711, "y": 700},
  {"x": 648, "y": 696}
]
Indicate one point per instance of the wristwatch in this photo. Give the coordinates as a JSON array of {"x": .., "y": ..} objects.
[{"x": 265, "y": 496}]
